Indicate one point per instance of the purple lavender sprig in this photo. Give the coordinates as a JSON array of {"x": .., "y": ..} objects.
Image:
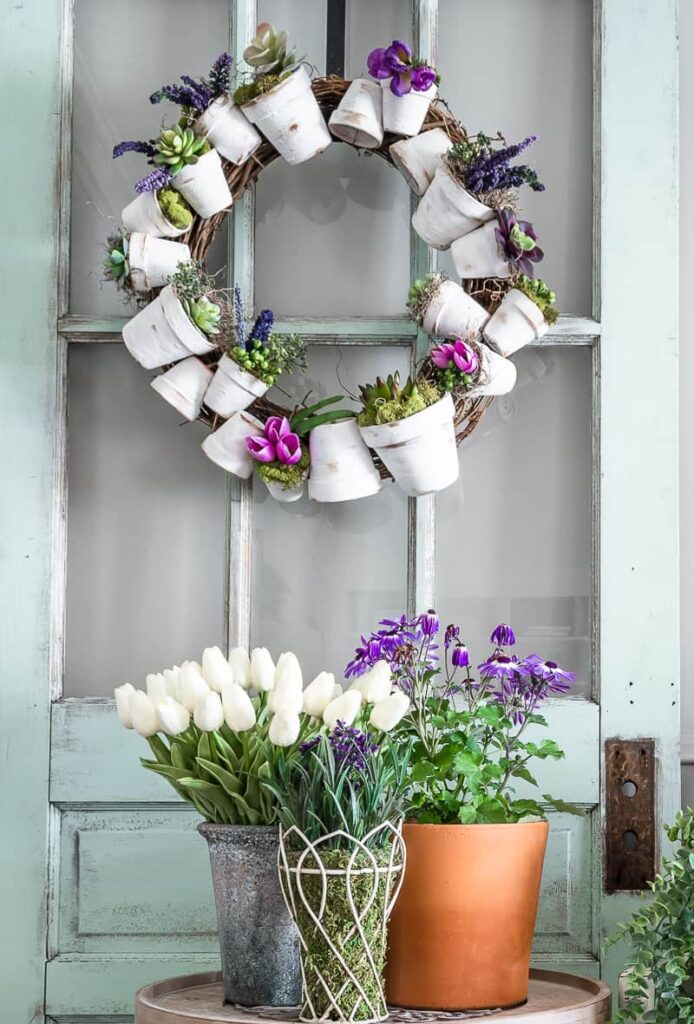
[
  {"x": 135, "y": 147},
  {"x": 261, "y": 328},
  {"x": 197, "y": 93},
  {"x": 220, "y": 73},
  {"x": 160, "y": 177},
  {"x": 491, "y": 170}
]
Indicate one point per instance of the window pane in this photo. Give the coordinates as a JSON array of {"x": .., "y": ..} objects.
[
  {"x": 526, "y": 69},
  {"x": 145, "y": 572},
  {"x": 123, "y": 52},
  {"x": 323, "y": 573},
  {"x": 514, "y": 533}
]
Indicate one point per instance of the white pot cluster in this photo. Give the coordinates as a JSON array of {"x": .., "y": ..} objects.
[
  {"x": 218, "y": 690},
  {"x": 369, "y": 109}
]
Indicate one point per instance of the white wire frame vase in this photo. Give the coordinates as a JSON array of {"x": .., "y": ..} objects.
[{"x": 340, "y": 892}]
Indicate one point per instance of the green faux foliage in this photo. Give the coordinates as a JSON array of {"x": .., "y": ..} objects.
[
  {"x": 204, "y": 314},
  {"x": 387, "y": 400},
  {"x": 116, "y": 264},
  {"x": 421, "y": 293},
  {"x": 174, "y": 207},
  {"x": 281, "y": 353},
  {"x": 661, "y": 935},
  {"x": 541, "y": 294},
  {"x": 179, "y": 146},
  {"x": 287, "y": 476},
  {"x": 307, "y": 417},
  {"x": 271, "y": 60},
  {"x": 191, "y": 282}
]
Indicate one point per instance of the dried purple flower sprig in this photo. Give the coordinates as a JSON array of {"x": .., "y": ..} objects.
[{"x": 194, "y": 95}]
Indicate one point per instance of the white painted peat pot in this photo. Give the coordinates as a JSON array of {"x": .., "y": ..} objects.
[
  {"x": 452, "y": 313},
  {"x": 285, "y": 494},
  {"x": 232, "y": 389},
  {"x": 154, "y": 260},
  {"x": 448, "y": 211},
  {"x": 203, "y": 185},
  {"x": 357, "y": 118},
  {"x": 163, "y": 333},
  {"x": 290, "y": 118},
  {"x": 516, "y": 323},
  {"x": 404, "y": 115},
  {"x": 144, "y": 214},
  {"x": 497, "y": 375},
  {"x": 341, "y": 465},
  {"x": 419, "y": 451},
  {"x": 477, "y": 254},
  {"x": 418, "y": 158},
  {"x": 225, "y": 127},
  {"x": 184, "y": 386},
  {"x": 227, "y": 446}
]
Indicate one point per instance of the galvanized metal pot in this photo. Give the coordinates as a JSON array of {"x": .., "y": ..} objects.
[{"x": 258, "y": 941}]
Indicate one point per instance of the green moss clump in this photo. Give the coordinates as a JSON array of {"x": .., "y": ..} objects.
[
  {"x": 257, "y": 87},
  {"x": 174, "y": 207},
  {"x": 424, "y": 394},
  {"x": 288, "y": 476},
  {"x": 539, "y": 293},
  {"x": 319, "y": 959}
]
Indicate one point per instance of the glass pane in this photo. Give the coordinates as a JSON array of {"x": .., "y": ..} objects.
[
  {"x": 145, "y": 572},
  {"x": 526, "y": 69},
  {"x": 323, "y": 573},
  {"x": 514, "y": 535},
  {"x": 123, "y": 52}
]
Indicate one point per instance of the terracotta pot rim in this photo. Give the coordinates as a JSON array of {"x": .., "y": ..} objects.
[{"x": 479, "y": 826}]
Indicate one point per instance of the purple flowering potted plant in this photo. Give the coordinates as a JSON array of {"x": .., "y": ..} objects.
[
  {"x": 461, "y": 933},
  {"x": 466, "y": 365},
  {"x": 408, "y": 84},
  {"x": 500, "y": 248},
  {"x": 473, "y": 181},
  {"x": 525, "y": 314},
  {"x": 444, "y": 309},
  {"x": 278, "y": 98}
]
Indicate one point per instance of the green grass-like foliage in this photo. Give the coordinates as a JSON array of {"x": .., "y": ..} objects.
[
  {"x": 281, "y": 353},
  {"x": 287, "y": 476},
  {"x": 174, "y": 207},
  {"x": 662, "y": 938},
  {"x": 539, "y": 293},
  {"x": 387, "y": 400}
]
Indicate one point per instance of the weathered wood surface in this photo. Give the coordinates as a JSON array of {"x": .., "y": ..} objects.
[{"x": 554, "y": 998}]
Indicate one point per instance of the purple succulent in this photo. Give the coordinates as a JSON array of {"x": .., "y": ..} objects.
[
  {"x": 517, "y": 242},
  {"x": 396, "y": 62}
]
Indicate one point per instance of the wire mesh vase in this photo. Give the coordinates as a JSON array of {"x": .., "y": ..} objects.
[{"x": 340, "y": 892}]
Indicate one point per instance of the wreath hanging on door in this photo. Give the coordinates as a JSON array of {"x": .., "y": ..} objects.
[{"x": 218, "y": 366}]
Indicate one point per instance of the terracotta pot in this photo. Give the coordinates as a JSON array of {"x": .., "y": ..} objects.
[{"x": 461, "y": 932}]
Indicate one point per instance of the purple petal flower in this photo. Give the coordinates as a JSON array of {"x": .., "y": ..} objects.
[
  {"x": 261, "y": 449},
  {"x": 277, "y": 427},
  {"x": 376, "y": 64},
  {"x": 442, "y": 355},
  {"x": 460, "y": 656},
  {"x": 503, "y": 636},
  {"x": 288, "y": 449},
  {"x": 465, "y": 357},
  {"x": 400, "y": 83},
  {"x": 423, "y": 78},
  {"x": 429, "y": 623},
  {"x": 398, "y": 54},
  {"x": 452, "y": 635},
  {"x": 554, "y": 678},
  {"x": 500, "y": 666}
]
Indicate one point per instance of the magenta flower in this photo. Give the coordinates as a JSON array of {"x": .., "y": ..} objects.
[
  {"x": 442, "y": 355},
  {"x": 261, "y": 448},
  {"x": 462, "y": 355},
  {"x": 276, "y": 427},
  {"x": 277, "y": 443},
  {"x": 288, "y": 449},
  {"x": 396, "y": 62}
]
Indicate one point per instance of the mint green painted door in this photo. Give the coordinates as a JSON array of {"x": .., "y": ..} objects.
[{"x": 564, "y": 520}]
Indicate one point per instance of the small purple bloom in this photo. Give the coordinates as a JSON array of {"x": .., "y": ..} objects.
[
  {"x": 429, "y": 623},
  {"x": 276, "y": 427},
  {"x": 261, "y": 327},
  {"x": 401, "y": 82},
  {"x": 289, "y": 449},
  {"x": 423, "y": 78},
  {"x": 548, "y": 673},
  {"x": 460, "y": 656},
  {"x": 134, "y": 147},
  {"x": 452, "y": 635},
  {"x": 261, "y": 448},
  {"x": 503, "y": 636},
  {"x": 465, "y": 357},
  {"x": 396, "y": 62},
  {"x": 500, "y": 666},
  {"x": 377, "y": 65},
  {"x": 160, "y": 177},
  {"x": 399, "y": 54}
]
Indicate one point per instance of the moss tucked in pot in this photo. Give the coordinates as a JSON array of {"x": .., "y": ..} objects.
[
  {"x": 543, "y": 296},
  {"x": 257, "y": 87},
  {"x": 174, "y": 207},
  {"x": 287, "y": 476},
  {"x": 386, "y": 401}
]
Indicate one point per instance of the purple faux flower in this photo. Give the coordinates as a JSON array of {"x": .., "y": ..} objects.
[
  {"x": 491, "y": 170},
  {"x": 462, "y": 355},
  {"x": 396, "y": 62},
  {"x": 160, "y": 177},
  {"x": 134, "y": 147},
  {"x": 289, "y": 449},
  {"x": 500, "y": 666},
  {"x": 517, "y": 242},
  {"x": 452, "y": 635},
  {"x": 460, "y": 656},
  {"x": 503, "y": 636},
  {"x": 352, "y": 748},
  {"x": 397, "y": 642},
  {"x": 276, "y": 427},
  {"x": 429, "y": 623},
  {"x": 548, "y": 675},
  {"x": 261, "y": 327},
  {"x": 423, "y": 77},
  {"x": 261, "y": 448},
  {"x": 277, "y": 443}
]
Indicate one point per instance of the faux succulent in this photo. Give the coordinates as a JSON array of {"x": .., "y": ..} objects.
[
  {"x": 204, "y": 313},
  {"x": 541, "y": 294},
  {"x": 192, "y": 283},
  {"x": 405, "y": 72},
  {"x": 389, "y": 400},
  {"x": 116, "y": 264},
  {"x": 518, "y": 242},
  {"x": 456, "y": 364},
  {"x": 174, "y": 207},
  {"x": 195, "y": 94},
  {"x": 421, "y": 293},
  {"x": 177, "y": 147},
  {"x": 267, "y": 54},
  {"x": 483, "y": 169}
]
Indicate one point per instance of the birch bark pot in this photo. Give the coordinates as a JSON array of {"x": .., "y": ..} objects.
[
  {"x": 203, "y": 185},
  {"x": 418, "y": 158},
  {"x": 226, "y": 447},
  {"x": 404, "y": 115},
  {"x": 232, "y": 389},
  {"x": 184, "y": 386},
  {"x": 290, "y": 118},
  {"x": 154, "y": 260},
  {"x": 497, "y": 377},
  {"x": 144, "y": 214},
  {"x": 285, "y": 494},
  {"x": 225, "y": 127},
  {"x": 358, "y": 117},
  {"x": 420, "y": 451},
  {"x": 258, "y": 942},
  {"x": 452, "y": 313},
  {"x": 478, "y": 254},
  {"x": 461, "y": 932},
  {"x": 447, "y": 211},
  {"x": 163, "y": 333},
  {"x": 341, "y": 467},
  {"x": 516, "y": 323}
]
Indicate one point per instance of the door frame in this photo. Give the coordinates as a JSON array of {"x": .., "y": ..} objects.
[{"x": 636, "y": 623}]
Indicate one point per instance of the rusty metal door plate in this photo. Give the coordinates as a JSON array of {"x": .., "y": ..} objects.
[{"x": 630, "y": 830}]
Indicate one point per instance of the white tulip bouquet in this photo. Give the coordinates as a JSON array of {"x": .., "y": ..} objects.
[{"x": 214, "y": 727}]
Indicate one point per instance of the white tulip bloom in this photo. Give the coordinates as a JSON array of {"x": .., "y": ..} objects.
[
  {"x": 239, "y": 713},
  {"x": 209, "y": 714},
  {"x": 156, "y": 686},
  {"x": 337, "y": 691},
  {"x": 386, "y": 714},
  {"x": 288, "y": 665},
  {"x": 287, "y": 695},
  {"x": 342, "y": 709},
  {"x": 374, "y": 685},
  {"x": 171, "y": 681},
  {"x": 123, "y": 694},
  {"x": 144, "y": 714},
  {"x": 284, "y": 729},
  {"x": 262, "y": 670},
  {"x": 318, "y": 694},
  {"x": 191, "y": 685},
  {"x": 216, "y": 669},
  {"x": 240, "y": 667},
  {"x": 173, "y": 717}
]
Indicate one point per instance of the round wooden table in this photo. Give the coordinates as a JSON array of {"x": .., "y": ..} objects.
[{"x": 553, "y": 998}]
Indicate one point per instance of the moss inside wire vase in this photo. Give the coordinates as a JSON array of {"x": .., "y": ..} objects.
[{"x": 340, "y": 902}]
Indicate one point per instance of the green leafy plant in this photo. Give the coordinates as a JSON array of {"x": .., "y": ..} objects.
[
  {"x": 307, "y": 417},
  {"x": 387, "y": 400},
  {"x": 272, "y": 61},
  {"x": 191, "y": 282},
  {"x": 116, "y": 264},
  {"x": 281, "y": 353},
  {"x": 174, "y": 207},
  {"x": 177, "y": 147},
  {"x": 662, "y": 938},
  {"x": 541, "y": 294}
]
